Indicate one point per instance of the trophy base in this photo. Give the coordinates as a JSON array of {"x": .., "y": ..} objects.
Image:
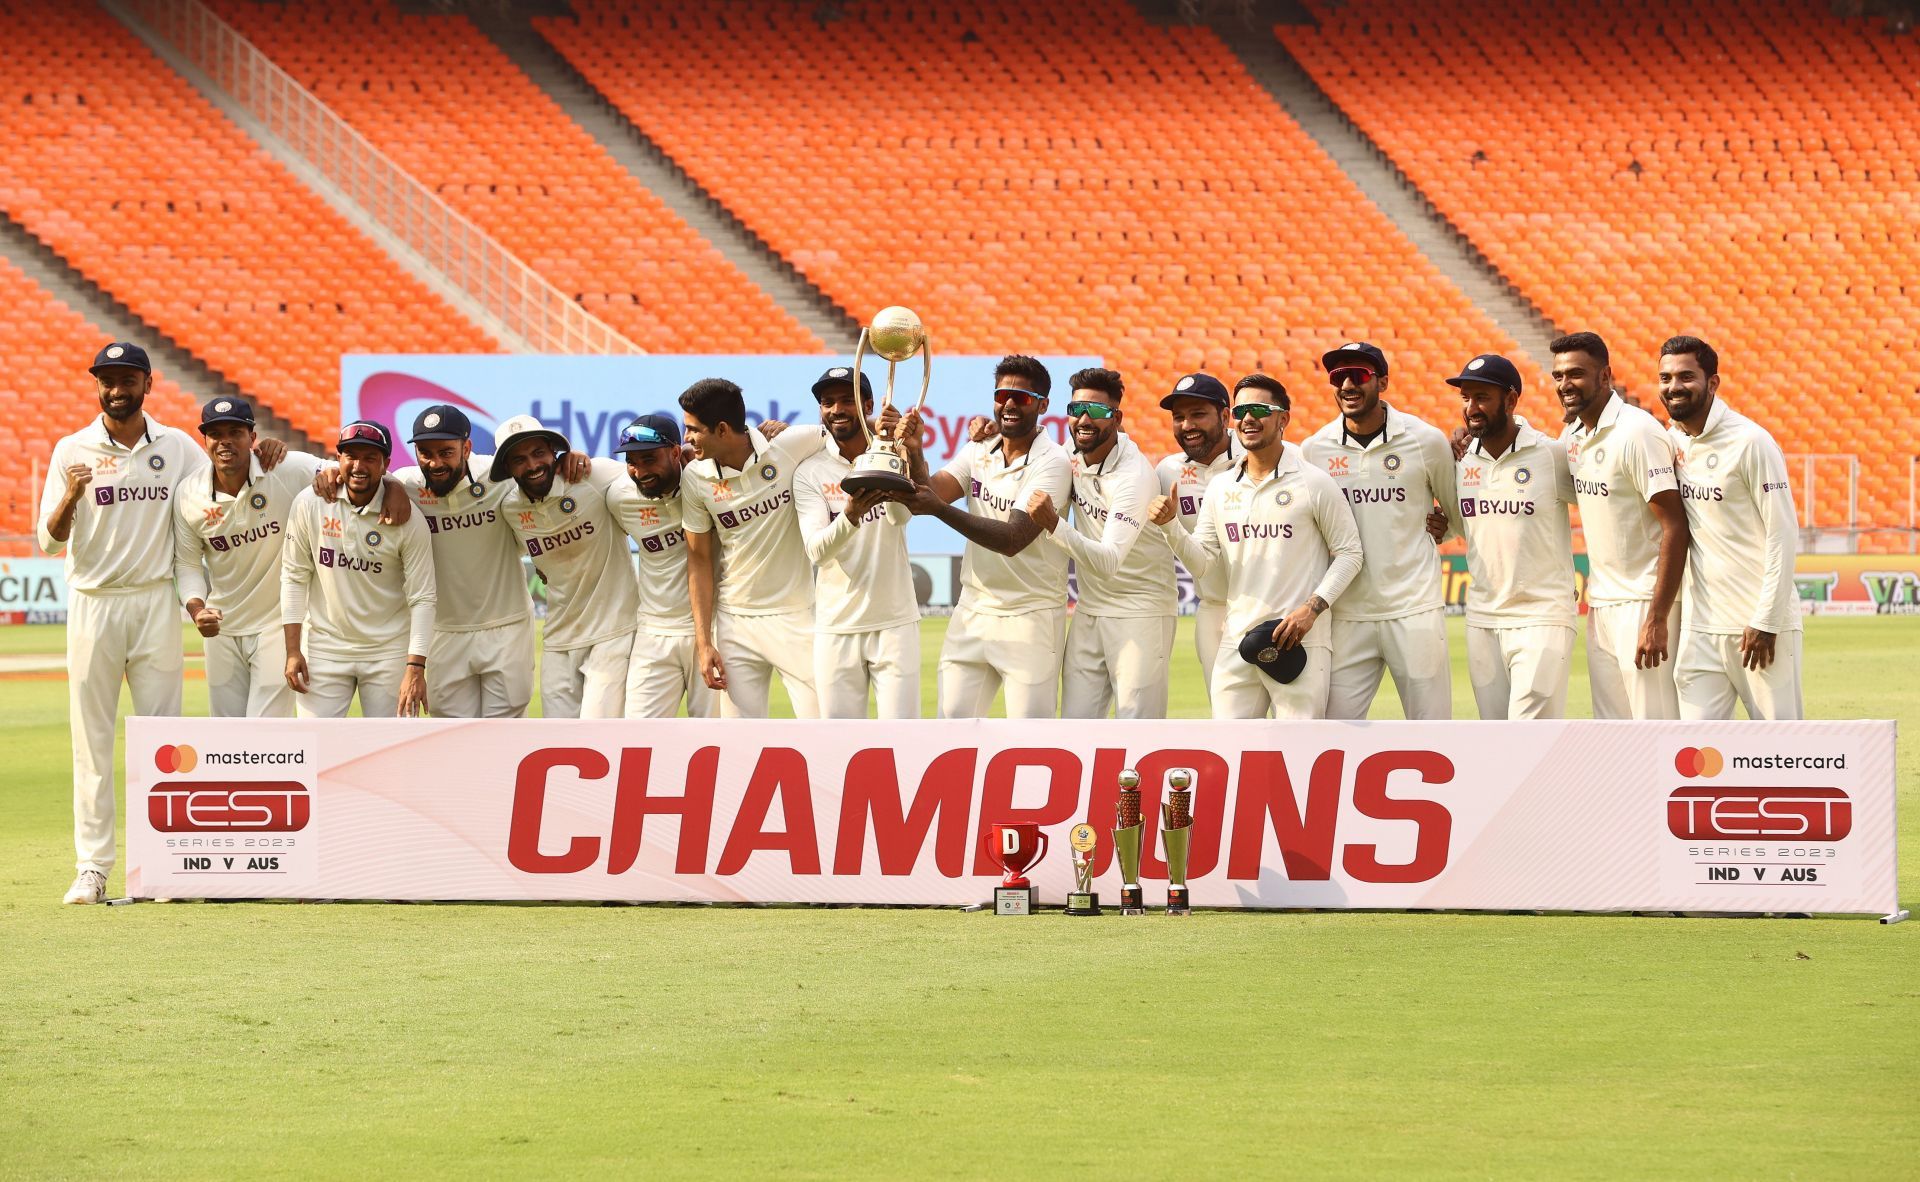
[
  {"x": 1133, "y": 901},
  {"x": 878, "y": 471},
  {"x": 1013, "y": 900},
  {"x": 1083, "y": 903},
  {"x": 1178, "y": 902}
]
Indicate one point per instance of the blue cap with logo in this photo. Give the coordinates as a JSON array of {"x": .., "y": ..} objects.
[
  {"x": 441, "y": 422},
  {"x": 121, "y": 353},
  {"x": 842, "y": 373},
  {"x": 1282, "y": 664},
  {"x": 225, "y": 410},
  {"x": 1489, "y": 369},
  {"x": 647, "y": 433},
  {"x": 1203, "y": 386},
  {"x": 1363, "y": 353}
]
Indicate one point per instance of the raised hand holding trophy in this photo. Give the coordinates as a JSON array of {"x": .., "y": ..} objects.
[
  {"x": 1083, "y": 900},
  {"x": 896, "y": 334},
  {"x": 1176, "y": 833},
  {"x": 1128, "y": 829}
]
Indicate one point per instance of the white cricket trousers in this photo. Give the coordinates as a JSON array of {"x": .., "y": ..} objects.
[
  {"x": 1710, "y": 680},
  {"x": 588, "y": 682},
  {"x": 1520, "y": 672},
  {"x": 486, "y": 673},
  {"x": 1619, "y": 689},
  {"x": 114, "y": 635},
  {"x": 888, "y": 659},
  {"x": 983, "y": 654},
  {"x": 1209, "y": 623},
  {"x": 331, "y": 684},
  {"x": 754, "y": 648},
  {"x": 1411, "y": 648},
  {"x": 660, "y": 672},
  {"x": 1241, "y": 690},
  {"x": 247, "y": 675},
  {"x": 1118, "y": 662}
]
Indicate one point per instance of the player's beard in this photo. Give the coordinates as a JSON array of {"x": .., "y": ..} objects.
[
  {"x": 1209, "y": 444},
  {"x": 126, "y": 411},
  {"x": 536, "y": 485},
  {"x": 441, "y": 487},
  {"x": 1493, "y": 426}
]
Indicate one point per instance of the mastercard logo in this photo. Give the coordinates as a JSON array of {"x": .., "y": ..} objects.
[
  {"x": 171, "y": 759},
  {"x": 1698, "y": 761}
]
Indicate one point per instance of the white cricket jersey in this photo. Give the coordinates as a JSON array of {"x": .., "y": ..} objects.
[
  {"x": 1282, "y": 540},
  {"x": 226, "y": 550},
  {"x": 865, "y": 583},
  {"x": 1519, "y": 538},
  {"x": 1733, "y": 481},
  {"x": 581, "y": 554},
  {"x": 763, "y": 564},
  {"x": 666, "y": 604},
  {"x": 361, "y": 588},
  {"x": 476, "y": 551},
  {"x": 1392, "y": 483},
  {"x": 1186, "y": 482},
  {"x": 1617, "y": 468},
  {"x": 1124, "y": 569},
  {"x": 1036, "y": 578},
  {"x": 122, "y": 535}
]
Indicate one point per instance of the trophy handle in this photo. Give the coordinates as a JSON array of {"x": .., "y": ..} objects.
[
  {"x": 926, "y": 369},
  {"x": 860, "y": 355},
  {"x": 1041, "y": 856}
]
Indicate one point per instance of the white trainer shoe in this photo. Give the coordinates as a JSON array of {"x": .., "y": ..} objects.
[{"x": 89, "y": 886}]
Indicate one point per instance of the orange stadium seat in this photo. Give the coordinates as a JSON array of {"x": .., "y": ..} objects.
[
  {"x": 447, "y": 105},
  {"x": 115, "y": 162},
  {"x": 1747, "y": 172},
  {"x": 45, "y": 393},
  {"x": 1054, "y": 176}
]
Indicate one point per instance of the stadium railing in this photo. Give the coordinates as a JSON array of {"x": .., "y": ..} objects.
[{"x": 543, "y": 316}]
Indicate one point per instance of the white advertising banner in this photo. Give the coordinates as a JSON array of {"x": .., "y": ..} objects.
[{"x": 1583, "y": 816}]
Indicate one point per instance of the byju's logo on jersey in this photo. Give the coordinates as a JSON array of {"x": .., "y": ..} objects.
[
  {"x": 1258, "y": 531},
  {"x": 120, "y": 494},
  {"x": 660, "y": 543}
]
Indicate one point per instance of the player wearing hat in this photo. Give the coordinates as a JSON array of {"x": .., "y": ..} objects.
[
  {"x": 579, "y": 550},
  {"x": 108, "y": 507},
  {"x": 1122, "y": 629},
  {"x": 1741, "y": 630},
  {"x": 1008, "y": 628},
  {"x": 229, "y": 528},
  {"x": 1636, "y": 532},
  {"x": 1393, "y": 469},
  {"x": 356, "y": 595},
  {"x": 746, "y": 565},
  {"x": 662, "y": 668},
  {"x": 1290, "y": 547},
  {"x": 1514, "y": 492},
  {"x": 1208, "y": 446},
  {"x": 866, "y": 619}
]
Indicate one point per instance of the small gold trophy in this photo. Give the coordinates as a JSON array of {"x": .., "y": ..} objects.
[
  {"x": 896, "y": 334},
  {"x": 1082, "y": 900},
  {"x": 1176, "y": 833},
  {"x": 1128, "y": 829}
]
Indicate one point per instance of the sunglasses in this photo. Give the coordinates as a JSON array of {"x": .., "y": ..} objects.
[
  {"x": 363, "y": 433},
  {"x": 1359, "y": 375},
  {"x": 1257, "y": 410},
  {"x": 641, "y": 433},
  {"x": 1010, "y": 394},
  {"x": 1092, "y": 410}
]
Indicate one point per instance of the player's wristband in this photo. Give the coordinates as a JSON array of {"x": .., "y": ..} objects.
[{"x": 416, "y": 664}]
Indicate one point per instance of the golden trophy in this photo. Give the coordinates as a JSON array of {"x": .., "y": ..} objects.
[{"x": 896, "y": 334}]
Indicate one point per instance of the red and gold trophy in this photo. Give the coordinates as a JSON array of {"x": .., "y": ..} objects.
[
  {"x": 1018, "y": 848},
  {"x": 1128, "y": 829},
  {"x": 1176, "y": 834}
]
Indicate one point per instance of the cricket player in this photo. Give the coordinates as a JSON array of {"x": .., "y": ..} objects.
[
  {"x": 581, "y": 553},
  {"x": 1636, "y": 530},
  {"x": 366, "y": 588},
  {"x": 1290, "y": 547},
  {"x": 1514, "y": 492},
  {"x": 1393, "y": 469},
  {"x": 1208, "y": 446},
  {"x": 1008, "y": 629},
  {"x": 866, "y": 620},
  {"x": 1740, "y": 630},
  {"x": 746, "y": 565},
  {"x": 481, "y": 663},
  {"x": 1121, "y": 636},
  {"x": 229, "y": 528},
  {"x": 662, "y": 669}
]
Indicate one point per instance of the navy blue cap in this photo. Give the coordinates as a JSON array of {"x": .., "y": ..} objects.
[
  {"x": 225, "y": 410},
  {"x": 121, "y": 353},
  {"x": 1355, "y": 353},
  {"x": 1281, "y": 664},
  {"x": 1490, "y": 369},
  {"x": 441, "y": 422},
  {"x": 842, "y": 373},
  {"x": 369, "y": 432},
  {"x": 647, "y": 433},
  {"x": 1203, "y": 386}
]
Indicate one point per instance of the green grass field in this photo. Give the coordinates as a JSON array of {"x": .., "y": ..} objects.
[{"x": 509, "y": 1041}]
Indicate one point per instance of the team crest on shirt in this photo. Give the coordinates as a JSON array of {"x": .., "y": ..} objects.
[
  {"x": 768, "y": 471},
  {"x": 1599, "y": 455},
  {"x": 1283, "y": 498},
  {"x": 156, "y": 462},
  {"x": 566, "y": 504},
  {"x": 1523, "y": 476},
  {"x": 258, "y": 500},
  {"x": 1713, "y": 462},
  {"x": 1391, "y": 463},
  {"x": 373, "y": 537}
]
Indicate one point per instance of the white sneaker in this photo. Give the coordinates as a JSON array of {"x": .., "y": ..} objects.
[{"x": 89, "y": 886}]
